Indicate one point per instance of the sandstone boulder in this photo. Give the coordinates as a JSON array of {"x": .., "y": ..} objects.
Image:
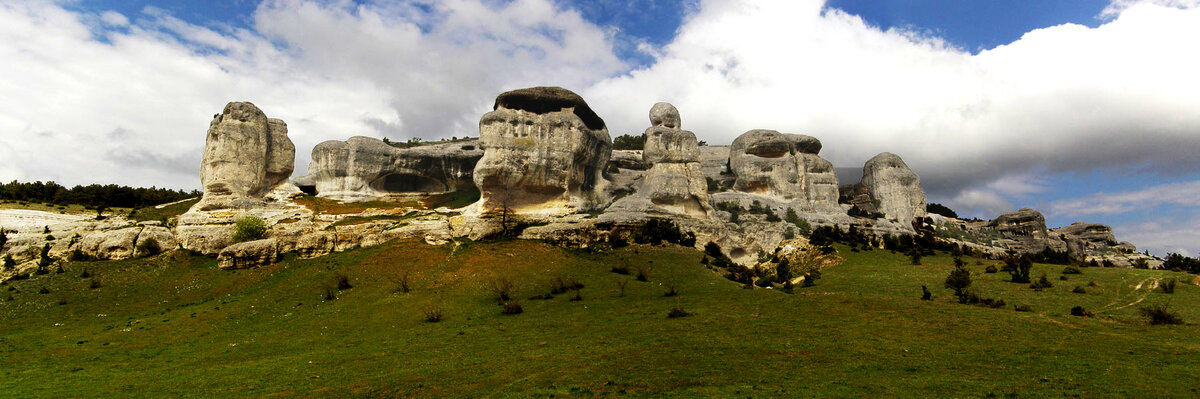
[
  {"x": 785, "y": 166},
  {"x": 128, "y": 242},
  {"x": 316, "y": 244},
  {"x": 1024, "y": 231},
  {"x": 245, "y": 155},
  {"x": 365, "y": 167},
  {"x": 894, "y": 188},
  {"x": 249, "y": 254},
  {"x": 1084, "y": 238},
  {"x": 544, "y": 154}
]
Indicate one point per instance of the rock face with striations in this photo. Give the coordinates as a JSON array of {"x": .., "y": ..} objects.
[
  {"x": 544, "y": 153},
  {"x": 246, "y": 154},
  {"x": 894, "y": 187},
  {"x": 674, "y": 182},
  {"x": 784, "y": 166},
  {"x": 365, "y": 167},
  {"x": 1024, "y": 231}
]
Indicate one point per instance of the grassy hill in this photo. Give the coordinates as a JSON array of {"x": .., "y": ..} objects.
[{"x": 175, "y": 325}]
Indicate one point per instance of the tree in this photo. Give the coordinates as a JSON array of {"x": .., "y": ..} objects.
[
  {"x": 3, "y": 238},
  {"x": 627, "y": 142},
  {"x": 1018, "y": 267},
  {"x": 958, "y": 280},
  {"x": 9, "y": 262}
]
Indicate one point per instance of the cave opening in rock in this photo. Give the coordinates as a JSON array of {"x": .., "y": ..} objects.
[{"x": 409, "y": 183}]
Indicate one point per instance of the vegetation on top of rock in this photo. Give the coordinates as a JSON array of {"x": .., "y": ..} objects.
[
  {"x": 940, "y": 209},
  {"x": 249, "y": 228},
  {"x": 629, "y": 142}
]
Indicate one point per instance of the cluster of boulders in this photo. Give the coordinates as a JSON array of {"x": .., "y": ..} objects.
[{"x": 544, "y": 169}]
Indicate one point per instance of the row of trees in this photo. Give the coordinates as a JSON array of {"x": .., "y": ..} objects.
[{"x": 95, "y": 195}]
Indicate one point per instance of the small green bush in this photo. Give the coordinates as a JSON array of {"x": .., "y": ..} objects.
[
  {"x": 1081, "y": 312},
  {"x": 1072, "y": 270},
  {"x": 511, "y": 307},
  {"x": 1022, "y": 308},
  {"x": 1167, "y": 287},
  {"x": 677, "y": 312},
  {"x": 249, "y": 228},
  {"x": 150, "y": 246},
  {"x": 1041, "y": 283},
  {"x": 925, "y": 294},
  {"x": 1079, "y": 290},
  {"x": 433, "y": 313},
  {"x": 990, "y": 269},
  {"x": 1160, "y": 315}
]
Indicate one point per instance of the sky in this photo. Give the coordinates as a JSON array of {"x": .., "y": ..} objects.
[{"x": 1087, "y": 110}]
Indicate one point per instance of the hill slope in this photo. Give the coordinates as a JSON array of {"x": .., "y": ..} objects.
[{"x": 175, "y": 325}]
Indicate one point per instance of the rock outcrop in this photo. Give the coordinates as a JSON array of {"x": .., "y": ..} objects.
[
  {"x": 544, "y": 154},
  {"x": 365, "y": 167},
  {"x": 674, "y": 182},
  {"x": 246, "y": 155},
  {"x": 894, "y": 188},
  {"x": 127, "y": 242},
  {"x": 249, "y": 254},
  {"x": 785, "y": 166},
  {"x": 1024, "y": 231}
]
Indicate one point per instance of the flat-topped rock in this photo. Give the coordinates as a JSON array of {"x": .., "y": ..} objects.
[
  {"x": 544, "y": 153},
  {"x": 366, "y": 167},
  {"x": 785, "y": 166}
]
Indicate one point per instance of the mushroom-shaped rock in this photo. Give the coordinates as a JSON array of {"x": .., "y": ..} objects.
[
  {"x": 544, "y": 153},
  {"x": 782, "y": 165},
  {"x": 897, "y": 190},
  {"x": 246, "y": 154},
  {"x": 364, "y": 167}
]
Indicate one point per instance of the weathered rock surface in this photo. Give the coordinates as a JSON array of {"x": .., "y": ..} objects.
[
  {"x": 245, "y": 155},
  {"x": 545, "y": 152},
  {"x": 674, "y": 183},
  {"x": 1024, "y": 231},
  {"x": 785, "y": 166},
  {"x": 365, "y": 167},
  {"x": 894, "y": 187},
  {"x": 1082, "y": 238},
  {"x": 249, "y": 254},
  {"x": 127, "y": 242}
]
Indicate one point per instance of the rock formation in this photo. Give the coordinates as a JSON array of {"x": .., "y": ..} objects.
[
  {"x": 365, "y": 167},
  {"x": 674, "y": 183},
  {"x": 894, "y": 188},
  {"x": 249, "y": 254},
  {"x": 245, "y": 155},
  {"x": 1024, "y": 231},
  {"x": 785, "y": 166},
  {"x": 127, "y": 242},
  {"x": 544, "y": 154}
]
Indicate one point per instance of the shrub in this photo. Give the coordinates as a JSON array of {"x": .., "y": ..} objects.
[
  {"x": 801, "y": 224},
  {"x": 77, "y": 255},
  {"x": 990, "y": 269},
  {"x": 1062, "y": 278},
  {"x": 511, "y": 307},
  {"x": 1018, "y": 268},
  {"x": 1081, "y": 312},
  {"x": 1167, "y": 287},
  {"x": 1072, "y": 270},
  {"x": 642, "y": 274},
  {"x": 330, "y": 294},
  {"x": 1159, "y": 315},
  {"x": 670, "y": 291},
  {"x": 658, "y": 231},
  {"x": 1079, "y": 290},
  {"x": 9, "y": 262},
  {"x": 1092, "y": 283},
  {"x": 789, "y": 233},
  {"x": 621, "y": 283},
  {"x": 958, "y": 280},
  {"x": 925, "y": 294},
  {"x": 433, "y": 313},
  {"x": 502, "y": 289},
  {"x": 401, "y": 282},
  {"x": 577, "y": 297},
  {"x": 1022, "y": 308},
  {"x": 341, "y": 281},
  {"x": 677, "y": 312},
  {"x": 623, "y": 268},
  {"x": 85, "y": 273},
  {"x": 44, "y": 290},
  {"x": 150, "y": 246},
  {"x": 915, "y": 257},
  {"x": 772, "y": 217},
  {"x": 249, "y": 228},
  {"x": 1042, "y": 283},
  {"x": 95, "y": 284}
]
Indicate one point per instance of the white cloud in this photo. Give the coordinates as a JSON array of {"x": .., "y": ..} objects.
[
  {"x": 1121, "y": 96},
  {"x": 1162, "y": 236},
  {"x": 1186, "y": 194},
  {"x": 92, "y": 99}
]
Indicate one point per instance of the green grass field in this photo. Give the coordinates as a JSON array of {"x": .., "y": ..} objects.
[{"x": 175, "y": 325}]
